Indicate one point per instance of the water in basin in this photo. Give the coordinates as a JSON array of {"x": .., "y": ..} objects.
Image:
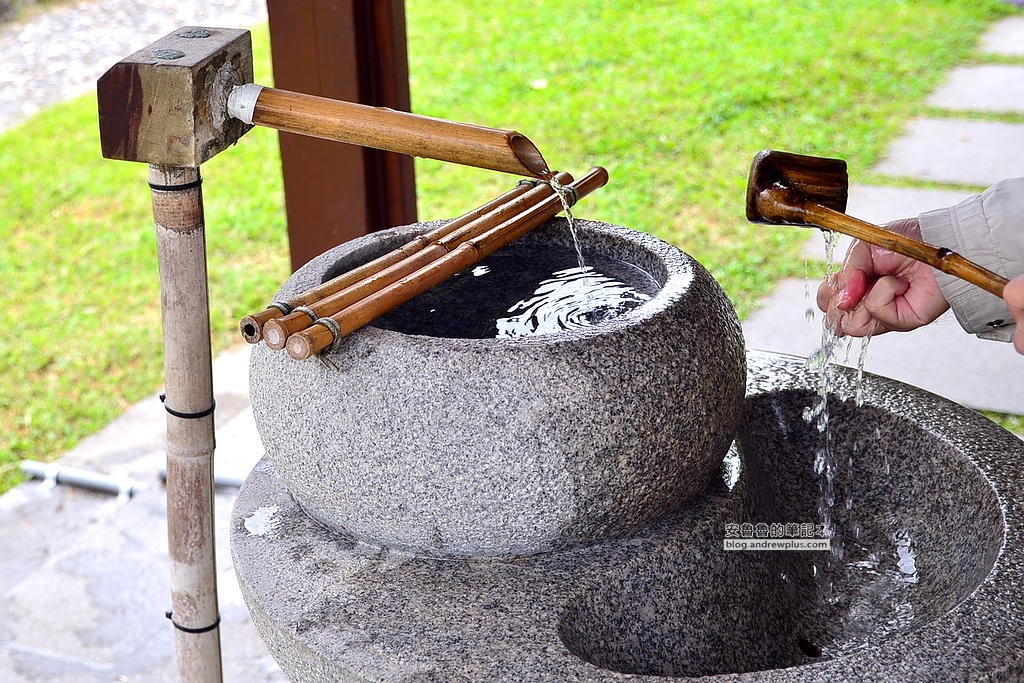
[
  {"x": 522, "y": 290},
  {"x": 921, "y": 532}
]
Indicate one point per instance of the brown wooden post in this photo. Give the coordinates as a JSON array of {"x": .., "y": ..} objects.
[{"x": 352, "y": 50}]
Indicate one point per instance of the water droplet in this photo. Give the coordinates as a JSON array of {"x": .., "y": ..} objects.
[{"x": 263, "y": 521}]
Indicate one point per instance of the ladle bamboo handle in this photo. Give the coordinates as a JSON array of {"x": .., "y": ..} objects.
[{"x": 940, "y": 258}]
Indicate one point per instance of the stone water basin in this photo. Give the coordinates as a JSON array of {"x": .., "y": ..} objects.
[
  {"x": 426, "y": 433},
  {"x": 929, "y": 587}
]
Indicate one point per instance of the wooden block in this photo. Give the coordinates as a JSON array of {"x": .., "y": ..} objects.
[{"x": 167, "y": 103}]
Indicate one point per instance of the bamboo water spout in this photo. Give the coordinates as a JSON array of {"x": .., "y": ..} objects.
[
  {"x": 394, "y": 131},
  {"x": 176, "y": 104}
]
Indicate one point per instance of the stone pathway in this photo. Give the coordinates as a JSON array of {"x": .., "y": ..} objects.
[
  {"x": 84, "y": 576},
  {"x": 62, "y": 52},
  {"x": 963, "y": 151}
]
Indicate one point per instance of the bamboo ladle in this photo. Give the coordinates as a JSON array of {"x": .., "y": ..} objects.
[{"x": 793, "y": 189}]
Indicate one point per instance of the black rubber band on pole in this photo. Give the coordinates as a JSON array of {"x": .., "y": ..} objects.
[
  {"x": 205, "y": 629},
  {"x": 177, "y": 188},
  {"x": 187, "y": 416},
  {"x": 335, "y": 329}
]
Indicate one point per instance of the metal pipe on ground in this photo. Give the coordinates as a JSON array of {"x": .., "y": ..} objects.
[{"x": 81, "y": 478}]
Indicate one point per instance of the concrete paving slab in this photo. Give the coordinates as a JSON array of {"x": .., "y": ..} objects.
[
  {"x": 977, "y": 153},
  {"x": 940, "y": 357},
  {"x": 879, "y": 205},
  {"x": 1005, "y": 37},
  {"x": 84, "y": 578},
  {"x": 92, "y": 606},
  {"x": 982, "y": 88}
]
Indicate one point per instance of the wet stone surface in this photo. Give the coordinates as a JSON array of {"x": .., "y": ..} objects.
[{"x": 935, "y": 490}]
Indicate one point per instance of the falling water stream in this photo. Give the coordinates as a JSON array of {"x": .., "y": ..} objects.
[
  {"x": 564, "y": 193},
  {"x": 887, "y": 571}
]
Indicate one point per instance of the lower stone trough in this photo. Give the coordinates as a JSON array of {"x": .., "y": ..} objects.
[{"x": 557, "y": 507}]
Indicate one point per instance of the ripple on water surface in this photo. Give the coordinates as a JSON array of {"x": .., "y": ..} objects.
[{"x": 525, "y": 290}]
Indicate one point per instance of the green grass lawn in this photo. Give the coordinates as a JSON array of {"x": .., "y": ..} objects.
[{"x": 673, "y": 98}]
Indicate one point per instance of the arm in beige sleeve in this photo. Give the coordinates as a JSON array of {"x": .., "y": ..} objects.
[{"x": 989, "y": 230}]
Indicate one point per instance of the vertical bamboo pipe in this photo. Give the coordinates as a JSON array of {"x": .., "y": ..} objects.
[{"x": 188, "y": 375}]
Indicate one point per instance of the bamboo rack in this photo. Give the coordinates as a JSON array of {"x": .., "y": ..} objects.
[
  {"x": 327, "y": 330},
  {"x": 395, "y": 131},
  {"x": 280, "y": 320}
]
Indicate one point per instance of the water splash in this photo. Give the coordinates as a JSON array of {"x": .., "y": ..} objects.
[
  {"x": 564, "y": 194},
  {"x": 263, "y": 521},
  {"x": 526, "y": 286},
  {"x": 906, "y": 556},
  {"x": 570, "y": 299}
]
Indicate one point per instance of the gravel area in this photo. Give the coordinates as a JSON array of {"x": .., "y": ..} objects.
[{"x": 60, "y": 53}]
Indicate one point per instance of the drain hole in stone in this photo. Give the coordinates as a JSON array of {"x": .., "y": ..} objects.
[{"x": 808, "y": 648}]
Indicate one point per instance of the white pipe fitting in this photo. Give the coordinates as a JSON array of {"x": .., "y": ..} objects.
[{"x": 242, "y": 101}]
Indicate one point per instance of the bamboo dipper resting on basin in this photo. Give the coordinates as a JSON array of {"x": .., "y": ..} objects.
[{"x": 325, "y": 331}]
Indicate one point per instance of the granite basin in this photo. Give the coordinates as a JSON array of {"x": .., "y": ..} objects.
[
  {"x": 409, "y": 438},
  {"x": 929, "y": 504}
]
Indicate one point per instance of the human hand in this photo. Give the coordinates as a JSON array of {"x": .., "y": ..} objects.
[
  {"x": 879, "y": 291},
  {"x": 1013, "y": 294}
]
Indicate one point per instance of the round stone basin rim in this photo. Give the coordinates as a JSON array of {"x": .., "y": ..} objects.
[
  {"x": 664, "y": 263},
  {"x": 509, "y": 447}
]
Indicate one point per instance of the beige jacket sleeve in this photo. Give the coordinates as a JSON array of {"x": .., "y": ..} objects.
[{"x": 989, "y": 230}]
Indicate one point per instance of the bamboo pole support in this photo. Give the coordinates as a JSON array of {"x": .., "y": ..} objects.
[
  {"x": 438, "y": 243},
  {"x": 166, "y": 105},
  {"x": 394, "y": 131},
  {"x": 320, "y": 335},
  {"x": 188, "y": 398}
]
